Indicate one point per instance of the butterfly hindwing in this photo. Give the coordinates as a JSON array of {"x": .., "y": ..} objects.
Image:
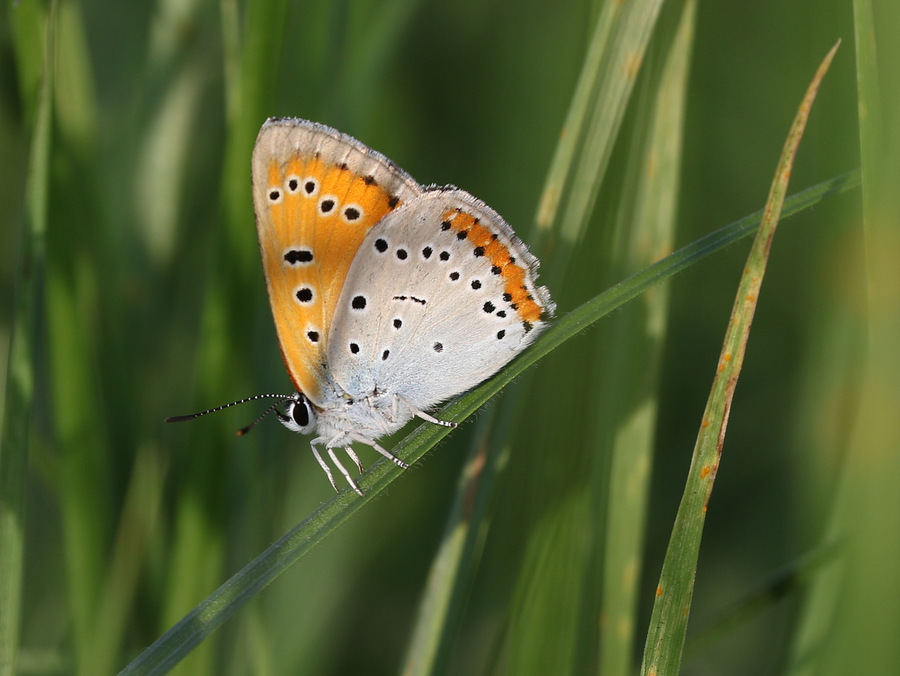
[
  {"x": 317, "y": 193},
  {"x": 440, "y": 296}
]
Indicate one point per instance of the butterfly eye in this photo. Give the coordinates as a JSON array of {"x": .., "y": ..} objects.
[{"x": 299, "y": 415}]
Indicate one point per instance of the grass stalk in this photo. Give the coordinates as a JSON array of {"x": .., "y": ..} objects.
[
  {"x": 20, "y": 382},
  {"x": 668, "y": 624}
]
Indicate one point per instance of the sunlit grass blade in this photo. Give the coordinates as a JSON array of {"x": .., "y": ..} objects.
[
  {"x": 140, "y": 519},
  {"x": 583, "y": 98},
  {"x": 835, "y": 368},
  {"x": 449, "y": 578},
  {"x": 668, "y": 624},
  {"x": 36, "y": 39},
  {"x": 862, "y": 636},
  {"x": 625, "y": 425},
  {"x": 618, "y": 49}
]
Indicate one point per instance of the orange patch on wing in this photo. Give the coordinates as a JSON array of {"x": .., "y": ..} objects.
[
  {"x": 481, "y": 236},
  {"x": 301, "y": 222},
  {"x": 497, "y": 252}
]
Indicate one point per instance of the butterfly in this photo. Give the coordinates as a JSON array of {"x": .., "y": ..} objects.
[{"x": 388, "y": 297}]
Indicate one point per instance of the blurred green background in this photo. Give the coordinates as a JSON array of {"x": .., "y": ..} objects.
[{"x": 154, "y": 304}]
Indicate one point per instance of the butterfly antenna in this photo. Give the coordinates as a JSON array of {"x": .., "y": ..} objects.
[
  {"x": 241, "y": 432},
  {"x": 282, "y": 397}
]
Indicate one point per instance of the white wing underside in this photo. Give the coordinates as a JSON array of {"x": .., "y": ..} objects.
[{"x": 436, "y": 320}]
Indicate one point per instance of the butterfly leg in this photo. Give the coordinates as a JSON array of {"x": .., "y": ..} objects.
[
  {"x": 354, "y": 458},
  {"x": 323, "y": 465},
  {"x": 421, "y": 414},
  {"x": 337, "y": 463},
  {"x": 387, "y": 454},
  {"x": 343, "y": 470}
]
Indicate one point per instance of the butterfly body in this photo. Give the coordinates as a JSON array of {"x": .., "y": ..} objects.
[{"x": 388, "y": 297}]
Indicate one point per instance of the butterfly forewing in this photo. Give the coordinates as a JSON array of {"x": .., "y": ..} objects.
[{"x": 317, "y": 193}]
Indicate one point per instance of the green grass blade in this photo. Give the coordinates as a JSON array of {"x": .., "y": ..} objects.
[
  {"x": 372, "y": 38},
  {"x": 573, "y": 127},
  {"x": 629, "y": 378},
  {"x": 627, "y": 52},
  {"x": 611, "y": 299},
  {"x": 453, "y": 565},
  {"x": 870, "y": 106},
  {"x": 820, "y": 606},
  {"x": 139, "y": 520},
  {"x": 36, "y": 26},
  {"x": 612, "y": 64},
  {"x": 862, "y": 637},
  {"x": 251, "y": 85},
  {"x": 668, "y": 624}
]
